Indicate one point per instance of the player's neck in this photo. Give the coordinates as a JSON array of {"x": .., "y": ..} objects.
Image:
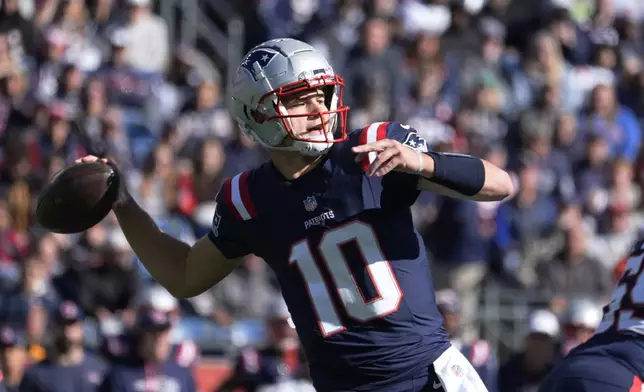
[{"x": 293, "y": 165}]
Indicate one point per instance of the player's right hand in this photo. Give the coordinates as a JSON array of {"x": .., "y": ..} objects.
[
  {"x": 123, "y": 194},
  {"x": 91, "y": 158}
]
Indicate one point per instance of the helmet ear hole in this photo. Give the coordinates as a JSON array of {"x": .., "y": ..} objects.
[{"x": 258, "y": 116}]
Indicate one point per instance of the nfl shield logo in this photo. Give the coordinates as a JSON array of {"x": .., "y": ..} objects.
[
  {"x": 310, "y": 204},
  {"x": 458, "y": 371}
]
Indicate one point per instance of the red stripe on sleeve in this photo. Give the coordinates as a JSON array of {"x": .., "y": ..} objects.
[
  {"x": 245, "y": 194},
  {"x": 382, "y": 131},
  {"x": 228, "y": 198}
]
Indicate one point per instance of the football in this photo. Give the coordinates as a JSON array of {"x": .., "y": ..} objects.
[{"x": 77, "y": 198}]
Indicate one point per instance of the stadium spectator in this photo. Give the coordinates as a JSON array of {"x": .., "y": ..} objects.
[
  {"x": 185, "y": 351},
  {"x": 148, "y": 47},
  {"x": 552, "y": 90},
  {"x": 525, "y": 369},
  {"x": 13, "y": 357},
  {"x": 280, "y": 365},
  {"x": 581, "y": 319},
  {"x": 573, "y": 272},
  {"x": 479, "y": 352},
  {"x": 68, "y": 366},
  {"x": 149, "y": 366}
]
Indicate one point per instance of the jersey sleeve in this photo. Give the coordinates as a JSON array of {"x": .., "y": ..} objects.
[
  {"x": 404, "y": 134},
  {"x": 234, "y": 210},
  {"x": 398, "y": 189}
]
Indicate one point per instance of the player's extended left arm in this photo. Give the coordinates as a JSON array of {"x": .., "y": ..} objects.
[
  {"x": 454, "y": 175},
  {"x": 463, "y": 177}
]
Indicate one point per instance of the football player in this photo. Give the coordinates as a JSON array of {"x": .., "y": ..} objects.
[
  {"x": 330, "y": 214},
  {"x": 613, "y": 359}
]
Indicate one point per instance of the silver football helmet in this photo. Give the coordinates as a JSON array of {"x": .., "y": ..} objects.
[{"x": 274, "y": 70}]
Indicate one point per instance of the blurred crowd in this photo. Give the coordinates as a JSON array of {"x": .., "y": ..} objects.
[{"x": 551, "y": 90}]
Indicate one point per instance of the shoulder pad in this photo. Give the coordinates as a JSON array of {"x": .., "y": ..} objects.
[
  {"x": 481, "y": 353},
  {"x": 236, "y": 196}
]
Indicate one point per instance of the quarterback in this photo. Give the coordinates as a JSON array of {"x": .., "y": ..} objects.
[{"x": 330, "y": 214}]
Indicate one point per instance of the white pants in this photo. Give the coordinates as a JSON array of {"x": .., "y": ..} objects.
[{"x": 456, "y": 373}]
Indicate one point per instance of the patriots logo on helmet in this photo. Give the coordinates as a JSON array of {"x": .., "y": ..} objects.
[{"x": 260, "y": 56}]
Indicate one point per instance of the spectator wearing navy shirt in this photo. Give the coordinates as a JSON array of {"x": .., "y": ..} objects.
[
  {"x": 279, "y": 365},
  {"x": 150, "y": 368},
  {"x": 525, "y": 369},
  {"x": 68, "y": 367},
  {"x": 479, "y": 352},
  {"x": 184, "y": 351},
  {"x": 13, "y": 356}
]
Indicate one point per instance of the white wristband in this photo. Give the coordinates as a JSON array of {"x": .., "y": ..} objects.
[{"x": 421, "y": 163}]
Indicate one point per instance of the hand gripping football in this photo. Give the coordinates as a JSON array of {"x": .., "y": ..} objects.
[{"x": 78, "y": 197}]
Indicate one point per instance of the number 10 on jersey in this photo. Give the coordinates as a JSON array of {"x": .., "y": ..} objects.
[{"x": 343, "y": 282}]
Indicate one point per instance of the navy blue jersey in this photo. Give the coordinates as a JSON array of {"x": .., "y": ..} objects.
[
  {"x": 135, "y": 376},
  {"x": 48, "y": 376},
  {"x": 605, "y": 363},
  {"x": 353, "y": 271},
  {"x": 626, "y": 348},
  {"x": 621, "y": 332}
]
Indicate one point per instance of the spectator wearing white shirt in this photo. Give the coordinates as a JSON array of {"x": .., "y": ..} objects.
[{"x": 148, "y": 47}]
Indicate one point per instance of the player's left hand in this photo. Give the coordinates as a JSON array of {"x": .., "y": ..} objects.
[{"x": 390, "y": 155}]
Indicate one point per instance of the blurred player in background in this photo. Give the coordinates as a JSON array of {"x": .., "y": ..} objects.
[
  {"x": 330, "y": 214},
  {"x": 479, "y": 353},
  {"x": 68, "y": 366},
  {"x": 149, "y": 366},
  {"x": 613, "y": 359},
  {"x": 279, "y": 365}
]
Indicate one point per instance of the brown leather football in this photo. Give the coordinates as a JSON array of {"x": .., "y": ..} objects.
[{"x": 77, "y": 198}]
